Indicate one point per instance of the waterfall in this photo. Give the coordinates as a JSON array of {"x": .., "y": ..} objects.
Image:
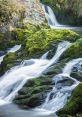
[
  {"x": 1, "y": 58},
  {"x": 13, "y": 49},
  {"x": 44, "y": 56},
  {"x": 50, "y": 16},
  {"x": 57, "y": 98},
  {"x": 53, "y": 22},
  {"x": 15, "y": 79}
]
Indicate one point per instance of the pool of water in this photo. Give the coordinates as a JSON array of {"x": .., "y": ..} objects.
[{"x": 12, "y": 110}]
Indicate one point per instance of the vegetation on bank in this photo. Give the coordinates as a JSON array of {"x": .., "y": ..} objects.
[{"x": 11, "y": 12}]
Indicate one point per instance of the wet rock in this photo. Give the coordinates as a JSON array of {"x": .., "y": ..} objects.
[
  {"x": 77, "y": 75},
  {"x": 36, "y": 100},
  {"x": 74, "y": 105},
  {"x": 2, "y": 53},
  {"x": 61, "y": 81}
]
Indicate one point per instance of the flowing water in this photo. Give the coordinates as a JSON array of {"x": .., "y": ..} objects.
[
  {"x": 14, "y": 80},
  {"x": 53, "y": 22},
  {"x": 13, "y": 49},
  {"x": 60, "y": 91}
]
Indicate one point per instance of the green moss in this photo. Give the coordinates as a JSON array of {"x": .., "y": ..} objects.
[
  {"x": 43, "y": 40},
  {"x": 8, "y": 62},
  {"x": 75, "y": 51},
  {"x": 33, "y": 92},
  {"x": 74, "y": 105},
  {"x": 66, "y": 115}
]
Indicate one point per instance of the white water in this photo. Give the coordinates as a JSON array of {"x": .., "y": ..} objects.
[
  {"x": 44, "y": 56},
  {"x": 50, "y": 16},
  {"x": 53, "y": 22},
  {"x": 13, "y": 49},
  {"x": 61, "y": 93},
  {"x": 15, "y": 79}
]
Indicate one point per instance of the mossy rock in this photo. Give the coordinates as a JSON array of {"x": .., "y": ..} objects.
[
  {"x": 46, "y": 39},
  {"x": 35, "y": 42},
  {"x": 74, "y": 105},
  {"x": 8, "y": 62},
  {"x": 66, "y": 116},
  {"x": 77, "y": 76},
  {"x": 75, "y": 51},
  {"x": 34, "y": 92}
]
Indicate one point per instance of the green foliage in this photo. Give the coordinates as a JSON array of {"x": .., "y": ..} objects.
[
  {"x": 42, "y": 40},
  {"x": 9, "y": 9},
  {"x": 75, "y": 51},
  {"x": 35, "y": 42},
  {"x": 8, "y": 62}
]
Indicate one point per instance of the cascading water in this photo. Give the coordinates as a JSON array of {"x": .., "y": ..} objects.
[
  {"x": 50, "y": 16},
  {"x": 57, "y": 98},
  {"x": 44, "y": 56},
  {"x": 52, "y": 20},
  {"x": 14, "y": 80},
  {"x": 13, "y": 49}
]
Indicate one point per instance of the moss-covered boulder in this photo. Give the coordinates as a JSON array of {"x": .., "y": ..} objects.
[
  {"x": 9, "y": 61},
  {"x": 34, "y": 92},
  {"x": 75, "y": 51},
  {"x": 45, "y": 39},
  {"x": 74, "y": 104}
]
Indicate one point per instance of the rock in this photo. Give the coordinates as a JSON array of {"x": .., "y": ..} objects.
[
  {"x": 36, "y": 100},
  {"x": 74, "y": 104},
  {"x": 34, "y": 13},
  {"x": 34, "y": 92},
  {"x": 75, "y": 51},
  {"x": 2, "y": 53},
  {"x": 77, "y": 75}
]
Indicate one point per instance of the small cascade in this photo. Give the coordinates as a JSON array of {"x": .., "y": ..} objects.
[
  {"x": 50, "y": 16},
  {"x": 1, "y": 58},
  {"x": 57, "y": 98},
  {"x": 13, "y": 49},
  {"x": 60, "y": 50},
  {"x": 15, "y": 79},
  {"x": 44, "y": 56},
  {"x": 52, "y": 20}
]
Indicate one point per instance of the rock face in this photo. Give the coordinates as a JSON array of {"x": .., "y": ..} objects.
[{"x": 34, "y": 13}]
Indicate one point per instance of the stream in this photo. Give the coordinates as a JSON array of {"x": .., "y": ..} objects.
[{"x": 12, "y": 81}]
